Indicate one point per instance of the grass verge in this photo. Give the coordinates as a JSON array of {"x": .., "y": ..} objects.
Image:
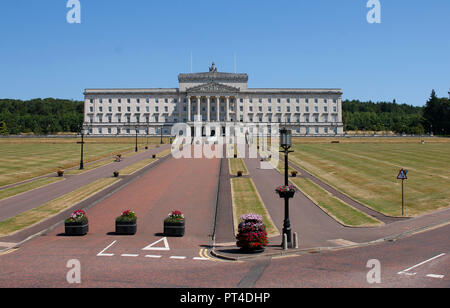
[
  {"x": 336, "y": 208},
  {"x": 19, "y": 189},
  {"x": 247, "y": 200},
  {"x": 237, "y": 164},
  {"x": 137, "y": 166},
  {"x": 52, "y": 208}
]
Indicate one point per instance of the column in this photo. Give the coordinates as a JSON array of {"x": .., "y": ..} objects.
[
  {"x": 189, "y": 108},
  {"x": 199, "y": 105},
  {"x": 208, "y": 109},
  {"x": 227, "y": 117},
  {"x": 180, "y": 107},
  {"x": 218, "y": 108}
]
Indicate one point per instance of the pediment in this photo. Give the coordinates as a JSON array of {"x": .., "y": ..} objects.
[{"x": 213, "y": 87}]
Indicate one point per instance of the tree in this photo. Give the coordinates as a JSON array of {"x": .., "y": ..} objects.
[
  {"x": 437, "y": 114},
  {"x": 3, "y": 129}
]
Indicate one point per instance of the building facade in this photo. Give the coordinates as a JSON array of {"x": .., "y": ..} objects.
[{"x": 212, "y": 97}]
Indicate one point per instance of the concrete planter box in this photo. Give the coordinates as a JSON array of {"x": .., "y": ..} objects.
[
  {"x": 76, "y": 229},
  {"x": 176, "y": 229},
  {"x": 126, "y": 228}
]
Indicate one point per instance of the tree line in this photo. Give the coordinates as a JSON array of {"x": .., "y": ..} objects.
[
  {"x": 40, "y": 116},
  {"x": 399, "y": 118},
  {"x": 50, "y": 116}
]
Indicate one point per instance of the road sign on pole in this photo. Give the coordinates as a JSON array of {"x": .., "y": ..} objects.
[{"x": 402, "y": 176}]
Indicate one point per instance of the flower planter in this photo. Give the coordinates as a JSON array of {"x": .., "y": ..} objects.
[
  {"x": 154, "y": 156},
  {"x": 60, "y": 173},
  {"x": 288, "y": 194},
  {"x": 294, "y": 174},
  {"x": 176, "y": 229},
  {"x": 235, "y": 155},
  {"x": 252, "y": 236},
  {"x": 239, "y": 173},
  {"x": 76, "y": 229},
  {"x": 126, "y": 228},
  {"x": 116, "y": 174}
]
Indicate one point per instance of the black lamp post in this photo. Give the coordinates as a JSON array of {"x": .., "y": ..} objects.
[
  {"x": 161, "y": 128},
  {"x": 82, "y": 132},
  {"x": 136, "y": 129},
  {"x": 286, "y": 143}
]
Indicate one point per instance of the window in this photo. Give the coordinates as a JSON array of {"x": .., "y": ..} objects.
[
  {"x": 288, "y": 100},
  {"x": 138, "y": 109},
  {"x": 307, "y": 109},
  {"x": 147, "y": 109},
  {"x": 120, "y": 101},
  {"x": 138, "y": 100},
  {"x": 91, "y": 109},
  {"x": 119, "y": 109},
  {"x": 297, "y": 108},
  {"x": 335, "y": 109},
  {"x": 110, "y": 101},
  {"x": 110, "y": 109},
  {"x": 270, "y": 100},
  {"x": 128, "y": 101},
  {"x": 109, "y": 130},
  {"x": 128, "y": 108},
  {"x": 278, "y": 101},
  {"x": 269, "y": 108},
  {"x": 156, "y": 109},
  {"x": 317, "y": 130},
  {"x": 260, "y": 100},
  {"x": 147, "y": 100},
  {"x": 288, "y": 109},
  {"x": 325, "y": 109}
]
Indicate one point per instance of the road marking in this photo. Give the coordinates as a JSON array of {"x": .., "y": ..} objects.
[
  {"x": 201, "y": 258},
  {"x": 129, "y": 255},
  {"x": 102, "y": 254},
  {"x": 153, "y": 256},
  {"x": 435, "y": 276},
  {"x": 404, "y": 272},
  {"x": 166, "y": 245},
  {"x": 178, "y": 257}
]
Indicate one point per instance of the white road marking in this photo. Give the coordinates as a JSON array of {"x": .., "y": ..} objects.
[
  {"x": 102, "y": 254},
  {"x": 201, "y": 259},
  {"x": 129, "y": 255},
  {"x": 178, "y": 257},
  {"x": 404, "y": 272},
  {"x": 152, "y": 256},
  {"x": 435, "y": 276},
  {"x": 166, "y": 245}
]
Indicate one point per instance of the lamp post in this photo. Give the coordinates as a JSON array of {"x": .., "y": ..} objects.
[
  {"x": 82, "y": 132},
  {"x": 286, "y": 143},
  {"x": 136, "y": 129},
  {"x": 161, "y": 128}
]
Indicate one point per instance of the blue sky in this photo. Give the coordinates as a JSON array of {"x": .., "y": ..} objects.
[{"x": 304, "y": 44}]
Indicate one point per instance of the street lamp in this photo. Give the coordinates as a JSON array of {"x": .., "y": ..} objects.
[
  {"x": 161, "y": 128},
  {"x": 286, "y": 143},
  {"x": 82, "y": 132},
  {"x": 136, "y": 128}
]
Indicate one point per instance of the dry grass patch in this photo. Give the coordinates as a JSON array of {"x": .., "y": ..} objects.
[
  {"x": 367, "y": 172},
  {"x": 247, "y": 200},
  {"x": 52, "y": 208},
  {"x": 336, "y": 208},
  {"x": 137, "y": 166},
  {"x": 237, "y": 164}
]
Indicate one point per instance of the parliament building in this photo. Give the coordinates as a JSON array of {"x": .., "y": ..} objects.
[{"x": 222, "y": 98}]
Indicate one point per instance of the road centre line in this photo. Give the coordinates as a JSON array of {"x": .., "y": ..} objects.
[
  {"x": 129, "y": 255},
  {"x": 153, "y": 256},
  {"x": 435, "y": 276},
  {"x": 178, "y": 257},
  {"x": 404, "y": 272}
]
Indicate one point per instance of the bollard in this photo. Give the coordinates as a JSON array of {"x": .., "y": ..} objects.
[
  {"x": 295, "y": 240},
  {"x": 285, "y": 242}
]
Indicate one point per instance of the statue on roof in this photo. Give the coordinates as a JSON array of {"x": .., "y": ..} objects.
[{"x": 213, "y": 68}]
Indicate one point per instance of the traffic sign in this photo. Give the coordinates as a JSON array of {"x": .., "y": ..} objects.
[{"x": 402, "y": 175}]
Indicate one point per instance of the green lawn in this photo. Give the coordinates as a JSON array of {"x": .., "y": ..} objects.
[
  {"x": 335, "y": 207},
  {"x": 246, "y": 200},
  {"x": 22, "y": 159},
  {"x": 367, "y": 172}
]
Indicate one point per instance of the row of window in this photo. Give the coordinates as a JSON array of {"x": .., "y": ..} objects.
[
  {"x": 258, "y": 119},
  {"x": 166, "y": 131},
  {"x": 213, "y": 109},
  {"x": 250, "y": 100}
]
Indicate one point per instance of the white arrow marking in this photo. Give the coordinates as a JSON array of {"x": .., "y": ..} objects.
[
  {"x": 422, "y": 263},
  {"x": 102, "y": 254},
  {"x": 165, "y": 248}
]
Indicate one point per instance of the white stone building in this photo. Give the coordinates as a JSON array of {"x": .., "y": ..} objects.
[{"x": 214, "y": 97}]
